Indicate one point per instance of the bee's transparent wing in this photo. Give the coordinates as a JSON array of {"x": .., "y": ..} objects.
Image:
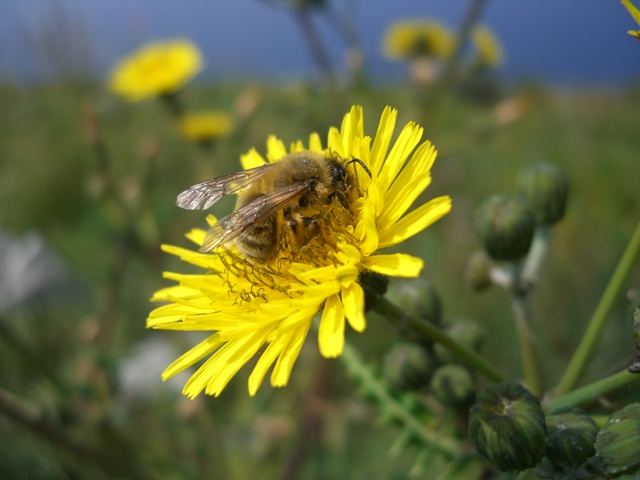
[
  {"x": 203, "y": 195},
  {"x": 241, "y": 220}
]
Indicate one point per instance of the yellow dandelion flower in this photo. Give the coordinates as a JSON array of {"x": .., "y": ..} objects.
[
  {"x": 156, "y": 69},
  {"x": 409, "y": 39},
  {"x": 635, "y": 13},
  {"x": 265, "y": 309},
  {"x": 487, "y": 47},
  {"x": 204, "y": 127}
]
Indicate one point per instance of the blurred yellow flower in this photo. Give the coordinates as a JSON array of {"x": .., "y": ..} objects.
[
  {"x": 635, "y": 13},
  {"x": 156, "y": 69},
  {"x": 266, "y": 308},
  {"x": 204, "y": 127},
  {"x": 410, "y": 39},
  {"x": 487, "y": 46}
]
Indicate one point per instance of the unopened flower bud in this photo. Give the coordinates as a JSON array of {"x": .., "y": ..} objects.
[
  {"x": 507, "y": 425},
  {"x": 570, "y": 438},
  {"x": 467, "y": 333},
  {"x": 407, "y": 366},
  {"x": 453, "y": 385},
  {"x": 477, "y": 273},
  {"x": 546, "y": 188},
  {"x": 374, "y": 285},
  {"x": 618, "y": 441},
  {"x": 417, "y": 298},
  {"x": 505, "y": 224}
]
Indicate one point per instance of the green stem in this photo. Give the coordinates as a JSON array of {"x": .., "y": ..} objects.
[
  {"x": 527, "y": 344},
  {"x": 394, "y": 408},
  {"x": 430, "y": 332},
  {"x": 591, "y": 392},
  {"x": 583, "y": 352}
]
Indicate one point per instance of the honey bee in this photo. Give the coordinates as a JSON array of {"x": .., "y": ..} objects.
[{"x": 287, "y": 198}]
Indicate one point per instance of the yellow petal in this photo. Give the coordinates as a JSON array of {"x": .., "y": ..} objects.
[
  {"x": 406, "y": 142},
  {"x": 192, "y": 356},
  {"x": 251, "y": 159},
  {"x": 331, "y": 332},
  {"x": 634, "y": 33},
  {"x": 394, "y": 265},
  {"x": 635, "y": 13},
  {"x": 402, "y": 198},
  {"x": 367, "y": 231},
  {"x": 353, "y": 302},
  {"x": 196, "y": 235},
  {"x": 275, "y": 149},
  {"x": 383, "y": 138},
  {"x": 266, "y": 360},
  {"x": 284, "y": 365},
  {"x": 296, "y": 146},
  {"x": 334, "y": 142},
  {"x": 352, "y": 127},
  {"x": 315, "y": 144},
  {"x": 231, "y": 358},
  {"x": 416, "y": 221}
]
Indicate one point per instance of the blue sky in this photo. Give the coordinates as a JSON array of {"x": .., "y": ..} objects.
[{"x": 562, "y": 41}]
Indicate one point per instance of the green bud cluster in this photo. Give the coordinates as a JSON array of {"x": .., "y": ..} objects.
[
  {"x": 466, "y": 332},
  {"x": 477, "y": 272},
  {"x": 546, "y": 188},
  {"x": 508, "y": 427},
  {"x": 408, "y": 366},
  {"x": 506, "y": 226},
  {"x": 418, "y": 298},
  {"x": 618, "y": 442},
  {"x": 570, "y": 439},
  {"x": 453, "y": 385}
]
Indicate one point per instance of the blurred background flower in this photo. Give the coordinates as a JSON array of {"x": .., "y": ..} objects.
[
  {"x": 206, "y": 126},
  {"x": 156, "y": 69},
  {"x": 410, "y": 39},
  {"x": 487, "y": 48}
]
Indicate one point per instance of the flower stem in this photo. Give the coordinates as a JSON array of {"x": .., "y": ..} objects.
[
  {"x": 392, "y": 407},
  {"x": 592, "y": 391},
  {"x": 583, "y": 352},
  {"x": 430, "y": 332},
  {"x": 533, "y": 262},
  {"x": 527, "y": 344}
]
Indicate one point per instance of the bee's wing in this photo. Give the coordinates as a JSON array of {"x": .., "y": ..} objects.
[
  {"x": 241, "y": 220},
  {"x": 203, "y": 195}
]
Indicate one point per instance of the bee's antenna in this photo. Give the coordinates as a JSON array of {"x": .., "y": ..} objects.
[{"x": 362, "y": 164}]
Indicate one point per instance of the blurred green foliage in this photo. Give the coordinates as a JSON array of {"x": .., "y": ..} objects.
[{"x": 62, "y": 356}]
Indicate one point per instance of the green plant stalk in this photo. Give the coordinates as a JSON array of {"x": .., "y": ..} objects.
[
  {"x": 526, "y": 340},
  {"x": 394, "y": 408},
  {"x": 591, "y": 392},
  {"x": 585, "y": 348},
  {"x": 430, "y": 332}
]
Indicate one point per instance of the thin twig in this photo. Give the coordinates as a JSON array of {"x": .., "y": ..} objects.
[
  {"x": 316, "y": 48},
  {"x": 470, "y": 19}
]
